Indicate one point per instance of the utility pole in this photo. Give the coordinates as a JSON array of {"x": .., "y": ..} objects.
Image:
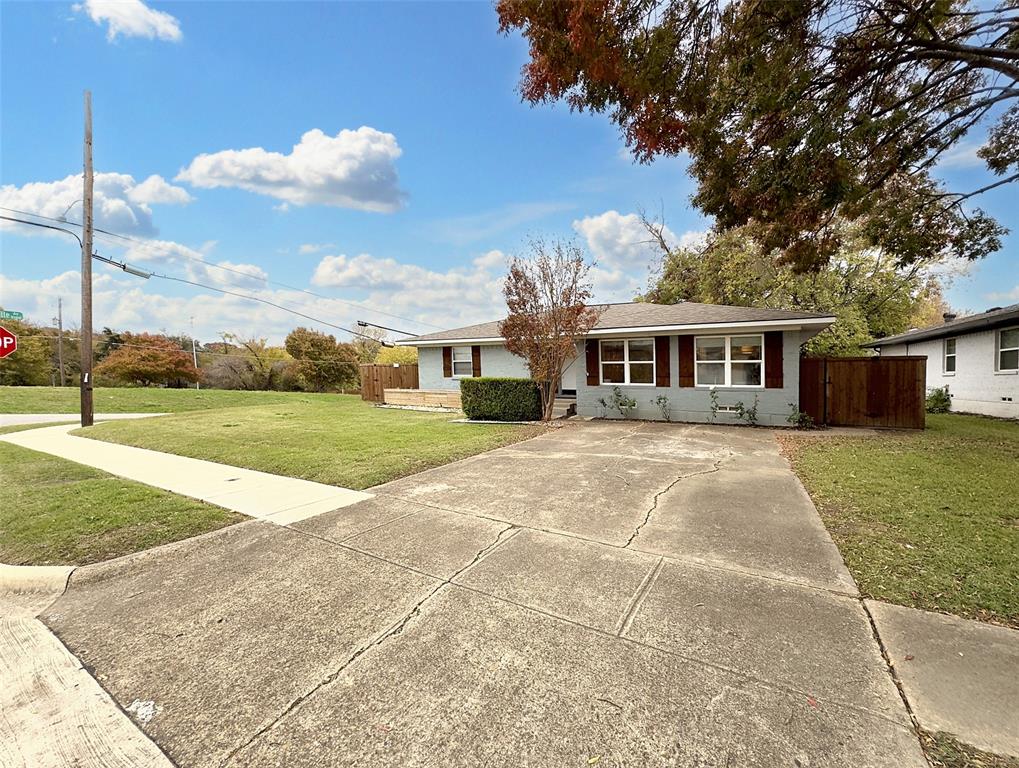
[
  {"x": 86, "y": 272},
  {"x": 194, "y": 351},
  {"x": 60, "y": 338}
]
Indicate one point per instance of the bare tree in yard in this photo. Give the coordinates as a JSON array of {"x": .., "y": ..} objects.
[{"x": 547, "y": 294}]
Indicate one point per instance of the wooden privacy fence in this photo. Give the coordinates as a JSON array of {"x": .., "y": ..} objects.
[
  {"x": 865, "y": 391},
  {"x": 375, "y": 379}
]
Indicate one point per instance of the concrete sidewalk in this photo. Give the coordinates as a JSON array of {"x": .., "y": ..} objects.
[
  {"x": 277, "y": 499},
  {"x": 960, "y": 676},
  {"x": 54, "y": 713},
  {"x": 20, "y": 419}
]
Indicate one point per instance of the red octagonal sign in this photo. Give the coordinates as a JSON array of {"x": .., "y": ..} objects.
[{"x": 8, "y": 342}]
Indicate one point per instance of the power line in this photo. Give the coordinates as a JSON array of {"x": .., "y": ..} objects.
[
  {"x": 155, "y": 247},
  {"x": 265, "y": 301},
  {"x": 203, "y": 285}
]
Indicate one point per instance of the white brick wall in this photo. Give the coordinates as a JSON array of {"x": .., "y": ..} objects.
[{"x": 975, "y": 387}]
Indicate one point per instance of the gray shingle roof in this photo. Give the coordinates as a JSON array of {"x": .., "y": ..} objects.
[
  {"x": 641, "y": 315},
  {"x": 991, "y": 319}
]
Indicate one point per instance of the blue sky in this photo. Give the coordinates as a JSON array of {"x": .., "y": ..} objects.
[{"x": 416, "y": 168}]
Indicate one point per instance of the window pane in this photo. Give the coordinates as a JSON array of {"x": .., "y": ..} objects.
[
  {"x": 746, "y": 374},
  {"x": 1009, "y": 360},
  {"x": 612, "y": 373},
  {"x": 461, "y": 368},
  {"x": 950, "y": 364},
  {"x": 745, "y": 347},
  {"x": 1010, "y": 338},
  {"x": 950, "y": 346},
  {"x": 462, "y": 353},
  {"x": 710, "y": 373},
  {"x": 711, "y": 349},
  {"x": 611, "y": 350},
  {"x": 642, "y": 349},
  {"x": 642, "y": 373}
]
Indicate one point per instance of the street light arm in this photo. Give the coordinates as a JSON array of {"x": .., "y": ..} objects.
[{"x": 44, "y": 226}]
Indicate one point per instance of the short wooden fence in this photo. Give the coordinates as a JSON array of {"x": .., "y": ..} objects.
[
  {"x": 375, "y": 379},
  {"x": 865, "y": 391}
]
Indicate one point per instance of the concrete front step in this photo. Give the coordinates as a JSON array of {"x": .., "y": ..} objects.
[{"x": 563, "y": 408}]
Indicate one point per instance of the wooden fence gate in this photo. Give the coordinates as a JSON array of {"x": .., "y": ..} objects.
[
  {"x": 376, "y": 378},
  {"x": 865, "y": 391}
]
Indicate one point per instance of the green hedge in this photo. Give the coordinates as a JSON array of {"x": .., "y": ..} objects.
[{"x": 498, "y": 399}]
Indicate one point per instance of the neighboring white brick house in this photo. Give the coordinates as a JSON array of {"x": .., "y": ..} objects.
[
  {"x": 976, "y": 357},
  {"x": 679, "y": 352}
]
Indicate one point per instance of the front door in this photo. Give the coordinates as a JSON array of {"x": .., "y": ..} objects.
[{"x": 568, "y": 385}]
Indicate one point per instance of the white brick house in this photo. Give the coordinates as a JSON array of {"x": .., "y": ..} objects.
[{"x": 976, "y": 357}]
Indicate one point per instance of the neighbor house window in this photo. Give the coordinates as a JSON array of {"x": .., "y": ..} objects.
[
  {"x": 628, "y": 361},
  {"x": 463, "y": 363},
  {"x": 729, "y": 361},
  {"x": 949, "y": 355},
  {"x": 1008, "y": 349}
]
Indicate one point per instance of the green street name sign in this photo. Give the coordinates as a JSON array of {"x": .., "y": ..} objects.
[{"x": 9, "y": 314}]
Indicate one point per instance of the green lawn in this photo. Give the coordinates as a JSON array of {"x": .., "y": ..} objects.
[
  {"x": 337, "y": 439},
  {"x": 928, "y": 519},
  {"x": 58, "y": 512},
  {"x": 141, "y": 399}
]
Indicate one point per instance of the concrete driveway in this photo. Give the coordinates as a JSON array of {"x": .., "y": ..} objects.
[{"x": 607, "y": 594}]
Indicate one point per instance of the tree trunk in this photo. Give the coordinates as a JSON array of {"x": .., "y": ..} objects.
[{"x": 548, "y": 391}]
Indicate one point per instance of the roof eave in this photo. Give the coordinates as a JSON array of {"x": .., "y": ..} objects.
[
  {"x": 945, "y": 331},
  {"x": 792, "y": 324}
]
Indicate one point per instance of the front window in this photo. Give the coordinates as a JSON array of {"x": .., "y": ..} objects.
[
  {"x": 729, "y": 361},
  {"x": 1008, "y": 349},
  {"x": 949, "y": 355},
  {"x": 463, "y": 362},
  {"x": 628, "y": 361}
]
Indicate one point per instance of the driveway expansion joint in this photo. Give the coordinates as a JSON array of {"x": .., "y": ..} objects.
[
  {"x": 890, "y": 667},
  {"x": 393, "y": 630}
]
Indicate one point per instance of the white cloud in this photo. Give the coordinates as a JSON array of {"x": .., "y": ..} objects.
[
  {"x": 625, "y": 253},
  {"x": 156, "y": 254},
  {"x": 618, "y": 240},
  {"x": 1006, "y": 296},
  {"x": 463, "y": 230},
  {"x": 120, "y": 204},
  {"x": 962, "y": 155},
  {"x": 131, "y": 18},
  {"x": 458, "y": 296},
  {"x": 308, "y": 248},
  {"x": 353, "y": 169},
  {"x": 490, "y": 260},
  {"x": 156, "y": 189}
]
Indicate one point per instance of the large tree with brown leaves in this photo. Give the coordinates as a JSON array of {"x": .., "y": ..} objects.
[{"x": 798, "y": 114}]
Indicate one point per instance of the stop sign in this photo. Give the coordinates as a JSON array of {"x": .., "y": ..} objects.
[{"x": 8, "y": 342}]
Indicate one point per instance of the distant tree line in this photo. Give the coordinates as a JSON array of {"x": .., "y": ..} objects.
[{"x": 308, "y": 360}]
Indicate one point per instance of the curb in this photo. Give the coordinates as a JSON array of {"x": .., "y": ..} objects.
[{"x": 32, "y": 588}]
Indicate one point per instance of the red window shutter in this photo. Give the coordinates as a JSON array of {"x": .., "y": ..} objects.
[
  {"x": 686, "y": 378},
  {"x": 591, "y": 347},
  {"x": 773, "y": 360},
  {"x": 476, "y": 361},
  {"x": 661, "y": 361},
  {"x": 447, "y": 362}
]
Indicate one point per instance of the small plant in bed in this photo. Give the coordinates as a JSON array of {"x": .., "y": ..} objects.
[
  {"x": 938, "y": 400},
  {"x": 617, "y": 401}
]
